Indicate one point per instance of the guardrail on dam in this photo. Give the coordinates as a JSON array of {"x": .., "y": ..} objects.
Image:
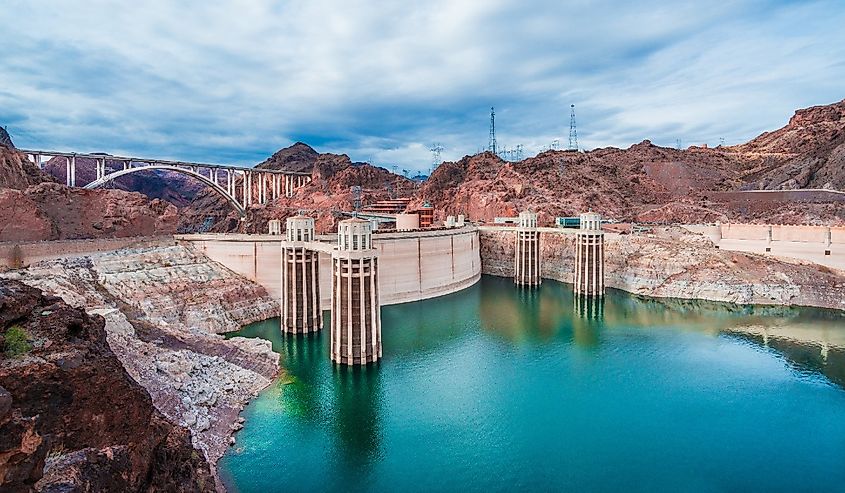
[{"x": 413, "y": 265}]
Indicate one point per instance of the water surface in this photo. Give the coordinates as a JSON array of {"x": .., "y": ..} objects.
[{"x": 498, "y": 388}]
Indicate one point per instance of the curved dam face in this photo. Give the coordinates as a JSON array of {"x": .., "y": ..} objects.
[{"x": 413, "y": 265}]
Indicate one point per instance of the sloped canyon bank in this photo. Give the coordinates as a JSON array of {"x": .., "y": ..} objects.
[{"x": 159, "y": 311}]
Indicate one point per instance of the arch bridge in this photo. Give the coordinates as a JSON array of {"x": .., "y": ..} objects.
[{"x": 241, "y": 187}]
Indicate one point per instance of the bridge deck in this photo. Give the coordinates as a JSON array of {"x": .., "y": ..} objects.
[{"x": 130, "y": 159}]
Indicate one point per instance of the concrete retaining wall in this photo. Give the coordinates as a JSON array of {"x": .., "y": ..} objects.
[
  {"x": 804, "y": 233},
  {"x": 803, "y": 242},
  {"x": 15, "y": 255},
  {"x": 413, "y": 265}
]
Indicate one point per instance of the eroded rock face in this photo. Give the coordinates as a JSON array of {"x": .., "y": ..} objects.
[
  {"x": 16, "y": 171},
  {"x": 809, "y": 152},
  {"x": 678, "y": 264},
  {"x": 50, "y": 211},
  {"x": 163, "y": 307},
  {"x": 72, "y": 419}
]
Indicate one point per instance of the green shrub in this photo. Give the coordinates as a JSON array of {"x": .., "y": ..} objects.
[{"x": 16, "y": 341}]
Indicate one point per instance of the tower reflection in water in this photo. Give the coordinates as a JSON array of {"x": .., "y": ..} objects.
[
  {"x": 539, "y": 315},
  {"x": 587, "y": 320},
  {"x": 357, "y": 397}
]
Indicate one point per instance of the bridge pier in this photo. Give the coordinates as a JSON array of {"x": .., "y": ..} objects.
[
  {"x": 356, "y": 316},
  {"x": 248, "y": 188},
  {"x": 301, "y": 313},
  {"x": 527, "y": 251},
  {"x": 589, "y": 256},
  {"x": 263, "y": 182},
  {"x": 100, "y": 164}
]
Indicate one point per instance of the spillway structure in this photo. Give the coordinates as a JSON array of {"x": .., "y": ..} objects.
[
  {"x": 527, "y": 251},
  {"x": 356, "y": 315},
  {"x": 589, "y": 256},
  {"x": 301, "y": 312}
]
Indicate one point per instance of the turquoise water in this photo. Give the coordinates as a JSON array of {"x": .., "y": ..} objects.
[{"x": 497, "y": 388}]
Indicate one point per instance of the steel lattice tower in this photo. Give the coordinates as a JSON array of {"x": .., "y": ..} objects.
[
  {"x": 491, "y": 145},
  {"x": 573, "y": 132},
  {"x": 435, "y": 156}
]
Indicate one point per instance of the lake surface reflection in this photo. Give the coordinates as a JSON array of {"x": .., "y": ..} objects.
[{"x": 499, "y": 388}]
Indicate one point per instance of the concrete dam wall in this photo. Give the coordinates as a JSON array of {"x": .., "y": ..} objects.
[{"x": 413, "y": 265}]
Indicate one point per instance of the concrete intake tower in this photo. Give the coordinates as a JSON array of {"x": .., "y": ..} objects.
[
  {"x": 589, "y": 256},
  {"x": 526, "y": 270},
  {"x": 356, "y": 316},
  {"x": 301, "y": 312}
]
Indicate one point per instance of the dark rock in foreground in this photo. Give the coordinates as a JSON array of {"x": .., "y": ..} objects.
[{"x": 71, "y": 418}]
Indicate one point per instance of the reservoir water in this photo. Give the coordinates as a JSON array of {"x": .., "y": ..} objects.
[{"x": 498, "y": 388}]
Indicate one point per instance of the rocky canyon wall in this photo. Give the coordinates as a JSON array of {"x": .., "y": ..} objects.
[
  {"x": 675, "y": 264},
  {"x": 71, "y": 417},
  {"x": 164, "y": 307}
]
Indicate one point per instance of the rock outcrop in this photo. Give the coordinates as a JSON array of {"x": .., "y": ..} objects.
[
  {"x": 298, "y": 157},
  {"x": 17, "y": 172},
  {"x": 71, "y": 418},
  {"x": 163, "y": 307},
  {"x": 6, "y": 139},
  {"x": 50, "y": 211},
  {"x": 809, "y": 152},
  {"x": 677, "y": 264}
]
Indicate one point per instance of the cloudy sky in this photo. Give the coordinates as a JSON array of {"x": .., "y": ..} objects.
[{"x": 231, "y": 82}]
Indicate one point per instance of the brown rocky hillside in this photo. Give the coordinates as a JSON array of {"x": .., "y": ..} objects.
[
  {"x": 647, "y": 183},
  {"x": 809, "y": 152}
]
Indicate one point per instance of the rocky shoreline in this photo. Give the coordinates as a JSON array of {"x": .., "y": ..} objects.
[
  {"x": 165, "y": 307},
  {"x": 674, "y": 263}
]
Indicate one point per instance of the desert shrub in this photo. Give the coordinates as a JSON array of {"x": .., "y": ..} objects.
[{"x": 17, "y": 341}]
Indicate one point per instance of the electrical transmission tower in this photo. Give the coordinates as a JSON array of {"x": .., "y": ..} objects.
[
  {"x": 678, "y": 144},
  {"x": 555, "y": 145},
  {"x": 356, "y": 197},
  {"x": 491, "y": 145},
  {"x": 573, "y": 132},
  {"x": 435, "y": 149}
]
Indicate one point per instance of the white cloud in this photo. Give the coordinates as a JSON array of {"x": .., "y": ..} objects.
[{"x": 233, "y": 81}]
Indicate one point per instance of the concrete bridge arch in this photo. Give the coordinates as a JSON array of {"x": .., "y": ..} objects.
[{"x": 204, "y": 179}]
